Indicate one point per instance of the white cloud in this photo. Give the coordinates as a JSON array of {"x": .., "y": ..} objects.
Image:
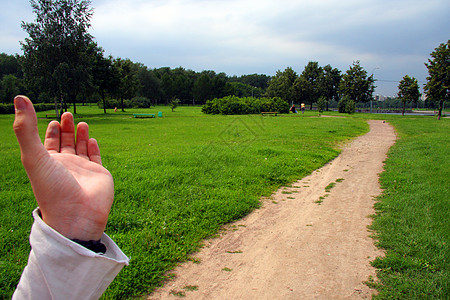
[{"x": 247, "y": 36}]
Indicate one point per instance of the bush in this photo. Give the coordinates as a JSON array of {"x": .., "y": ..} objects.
[
  {"x": 6, "y": 108},
  {"x": 140, "y": 102},
  {"x": 341, "y": 105},
  {"x": 346, "y": 105},
  {"x": 321, "y": 103},
  {"x": 232, "y": 105},
  {"x": 113, "y": 103},
  {"x": 350, "y": 107},
  {"x": 9, "y": 107}
]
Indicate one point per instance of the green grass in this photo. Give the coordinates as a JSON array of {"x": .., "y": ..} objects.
[
  {"x": 177, "y": 180},
  {"x": 413, "y": 214},
  {"x": 330, "y": 186}
]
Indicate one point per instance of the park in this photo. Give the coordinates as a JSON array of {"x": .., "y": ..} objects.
[
  {"x": 179, "y": 178},
  {"x": 221, "y": 191}
]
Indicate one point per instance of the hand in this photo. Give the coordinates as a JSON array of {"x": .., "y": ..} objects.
[{"x": 73, "y": 190}]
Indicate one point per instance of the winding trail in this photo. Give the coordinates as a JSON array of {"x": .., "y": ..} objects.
[{"x": 294, "y": 247}]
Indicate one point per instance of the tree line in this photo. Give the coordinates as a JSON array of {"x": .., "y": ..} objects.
[{"x": 62, "y": 63}]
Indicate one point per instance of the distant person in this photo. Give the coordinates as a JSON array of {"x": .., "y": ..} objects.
[
  {"x": 293, "y": 109},
  {"x": 302, "y": 107},
  {"x": 71, "y": 257},
  {"x": 115, "y": 109}
]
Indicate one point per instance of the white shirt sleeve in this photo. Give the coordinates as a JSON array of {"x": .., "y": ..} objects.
[{"x": 59, "y": 268}]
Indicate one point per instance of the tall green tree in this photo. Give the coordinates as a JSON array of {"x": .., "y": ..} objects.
[
  {"x": 9, "y": 65},
  {"x": 408, "y": 91},
  {"x": 10, "y": 87},
  {"x": 149, "y": 84},
  {"x": 356, "y": 84},
  {"x": 330, "y": 84},
  {"x": 309, "y": 83},
  {"x": 203, "y": 89},
  {"x": 129, "y": 82},
  {"x": 183, "y": 84},
  {"x": 254, "y": 80},
  {"x": 282, "y": 85},
  {"x": 55, "y": 57},
  {"x": 437, "y": 87},
  {"x": 106, "y": 76}
]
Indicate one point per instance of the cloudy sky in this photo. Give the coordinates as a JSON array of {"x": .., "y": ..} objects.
[{"x": 389, "y": 38}]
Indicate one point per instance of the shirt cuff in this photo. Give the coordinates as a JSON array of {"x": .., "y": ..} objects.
[{"x": 59, "y": 268}]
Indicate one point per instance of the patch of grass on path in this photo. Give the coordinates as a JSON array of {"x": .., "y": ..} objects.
[
  {"x": 177, "y": 180},
  {"x": 413, "y": 214}
]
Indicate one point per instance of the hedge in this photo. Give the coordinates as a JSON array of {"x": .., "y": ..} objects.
[
  {"x": 8, "y": 108},
  {"x": 232, "y": 105}
]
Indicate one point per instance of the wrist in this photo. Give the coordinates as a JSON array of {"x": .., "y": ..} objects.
[{"x": 81, "y": 231}]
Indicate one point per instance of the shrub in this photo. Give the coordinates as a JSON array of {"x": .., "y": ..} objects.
[
  {"x": 6, "y": 108},
  {"x": 113, "y": 103},
  {"x": 211, "y": 107},
  {"x": 321, "y": 103},
  {"x": 341, "y": 104},
  {"x": 346, "y": 105},
  {"x": 140, "y": 102},
  {"x": 174, "y": 103},
  {"x": 9, "y": 107},
  {"x": 350, "y": 107},
  {"x": 232, "y": 105}
]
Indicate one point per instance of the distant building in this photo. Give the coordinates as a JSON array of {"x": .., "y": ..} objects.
[{"x": 379, "y": 97}]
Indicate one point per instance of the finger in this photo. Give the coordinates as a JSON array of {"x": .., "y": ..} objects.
[
  {"x": 25, "y": 128},
  {"x": 52, "y": 140},
  {"x": 94, "y": 151},
  {"x": 67, "y": 134},
  {"x": 82, "y": 140}
]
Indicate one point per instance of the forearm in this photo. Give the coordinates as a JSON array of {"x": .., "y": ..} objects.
[{"x": 61, "y": 269}]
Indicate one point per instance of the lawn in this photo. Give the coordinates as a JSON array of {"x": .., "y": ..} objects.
[
  {"x": 413, "y": 214},
  {"x": 177, "y": 180},
  {"x": 180, "y": 177}
]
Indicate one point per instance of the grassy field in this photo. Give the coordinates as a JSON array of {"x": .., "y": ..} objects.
[
  {"x": 177, "y": 180},
  {"x": 180, "y": 177},
  {"x": 413, "y": 215}
]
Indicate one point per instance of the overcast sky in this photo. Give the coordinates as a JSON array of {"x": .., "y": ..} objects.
[{"x": 389, "y": 38}]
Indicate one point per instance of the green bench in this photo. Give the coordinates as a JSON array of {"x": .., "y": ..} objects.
[{"x": 144, "y": 115}]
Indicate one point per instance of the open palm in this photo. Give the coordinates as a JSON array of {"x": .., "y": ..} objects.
[{"x": 73, "y": 190}]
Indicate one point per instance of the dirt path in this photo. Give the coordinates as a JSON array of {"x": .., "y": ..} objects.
[{"x": 294, "y": 247}]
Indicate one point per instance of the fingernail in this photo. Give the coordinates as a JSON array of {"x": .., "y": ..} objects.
[{"x": 20, "y": 104}]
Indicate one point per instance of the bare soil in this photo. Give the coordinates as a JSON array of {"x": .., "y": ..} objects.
[{"x": 304, "y": 243}]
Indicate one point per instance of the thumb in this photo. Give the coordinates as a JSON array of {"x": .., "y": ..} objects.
[{"x": 25, "y": 128}]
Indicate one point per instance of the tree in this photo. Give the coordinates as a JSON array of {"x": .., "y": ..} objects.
[
  {"x": 346, "y": 105},
  {"x": 9, "y": 65},
  {"x": 282, "y": 85},
  {"x": 356, "y": 84},
  {"x": 149, "y": 84},
  {"x": 9, "y": 88},
  {"x": 321, "y": 104},
  {"x": 203, "y": 88},
  {"x": 254, "y": 80},
  {"x": 128, "y": 80},
  {"x": 105, "y": 75},
  {"x": 174, "y": 103},
  {"x": 56, "y": 52},
  {"x": 408, "y": 91},
  {"x": 330, "y": 84},
  {"x": 437, "y": 87},
  {"x": 309, "y": 83}
]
